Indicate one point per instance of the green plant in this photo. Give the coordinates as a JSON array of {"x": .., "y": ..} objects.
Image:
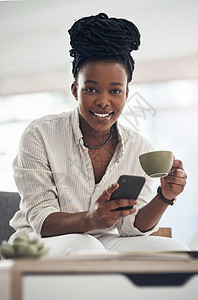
[{"x": 23, "y": 246}]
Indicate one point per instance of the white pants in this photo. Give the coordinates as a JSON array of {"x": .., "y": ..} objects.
[{"x": 84, "y": 243}]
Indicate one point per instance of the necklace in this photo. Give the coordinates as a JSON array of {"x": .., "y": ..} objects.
[{"x": 101, "y": 145}]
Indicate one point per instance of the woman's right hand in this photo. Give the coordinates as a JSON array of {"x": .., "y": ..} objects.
[{"x": 103, "y": 213}]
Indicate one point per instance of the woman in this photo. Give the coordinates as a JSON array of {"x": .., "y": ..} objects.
[{"x": 68, "y": 165}]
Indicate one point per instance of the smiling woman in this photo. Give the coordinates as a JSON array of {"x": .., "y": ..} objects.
[{"x": 68, "y": 164}]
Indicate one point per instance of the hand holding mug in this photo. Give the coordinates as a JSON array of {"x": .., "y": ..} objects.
[
  {"x": 170, "y": 170},
  {"x": 173, "y": 184}
]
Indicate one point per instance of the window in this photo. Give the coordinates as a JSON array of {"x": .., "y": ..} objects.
[
  {"x": 167, "y": 115},
  {"x": 16, "y": 112}
]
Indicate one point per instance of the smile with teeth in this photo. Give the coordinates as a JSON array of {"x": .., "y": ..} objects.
[{"x": 102, "y": 115}]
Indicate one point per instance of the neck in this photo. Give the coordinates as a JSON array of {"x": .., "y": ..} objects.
[{"x": 90, "y": 134}]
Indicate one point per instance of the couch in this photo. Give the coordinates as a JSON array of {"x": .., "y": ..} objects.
[{"x": 9, "y": 204}]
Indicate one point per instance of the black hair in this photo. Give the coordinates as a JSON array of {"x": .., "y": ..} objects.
[{"x": 99, "y": 37}]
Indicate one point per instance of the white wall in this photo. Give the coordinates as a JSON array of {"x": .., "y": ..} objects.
[{"x": 34, "y": 36}]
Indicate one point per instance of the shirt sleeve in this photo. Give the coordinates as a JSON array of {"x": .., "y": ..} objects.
[
  {"x": 34, "y": 180},
  {"x": 125, "y": 225}
]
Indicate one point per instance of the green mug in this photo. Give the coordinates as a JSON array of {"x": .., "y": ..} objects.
[{"x": 156, "y": 163}]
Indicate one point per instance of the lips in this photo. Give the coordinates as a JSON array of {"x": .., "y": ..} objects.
[{"x": 101, "y": 115}]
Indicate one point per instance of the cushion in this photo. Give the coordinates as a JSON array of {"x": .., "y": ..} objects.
[{"x": 9, "y": 204}]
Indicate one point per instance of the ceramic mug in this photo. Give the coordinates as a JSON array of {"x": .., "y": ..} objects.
[{"x": 156, "y": 163}]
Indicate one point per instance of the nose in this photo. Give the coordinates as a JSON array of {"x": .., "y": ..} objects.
[{"x": 103, "y": 100}]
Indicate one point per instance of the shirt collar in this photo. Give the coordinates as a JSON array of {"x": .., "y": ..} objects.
[
  {"x": 121, "y": 141},
  {"x": 76, "y": 125}
]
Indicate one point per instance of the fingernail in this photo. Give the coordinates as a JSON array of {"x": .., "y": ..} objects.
[{"x": 114, "y": 184}]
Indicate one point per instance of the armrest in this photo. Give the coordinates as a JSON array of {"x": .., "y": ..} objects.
[{"x": 163, "y": 231}]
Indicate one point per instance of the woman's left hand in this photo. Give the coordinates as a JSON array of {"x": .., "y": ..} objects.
[{"x": 173, "y": 184}]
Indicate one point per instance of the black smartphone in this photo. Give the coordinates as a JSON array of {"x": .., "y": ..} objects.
[{"x": 129, "y": 188}]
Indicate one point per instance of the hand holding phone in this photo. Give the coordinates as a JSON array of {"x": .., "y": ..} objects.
[{"x": 129, "y": 188}]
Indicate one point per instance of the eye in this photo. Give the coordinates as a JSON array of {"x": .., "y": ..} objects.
[
  {"x": 116, "y": 91},
  {"x": 90, "y": 90}
]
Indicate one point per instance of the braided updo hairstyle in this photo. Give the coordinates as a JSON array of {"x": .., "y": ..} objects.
[{"x": 99, "y": 37}]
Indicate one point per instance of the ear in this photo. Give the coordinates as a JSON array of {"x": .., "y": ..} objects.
[
  {"x": 127, "y": 91},
  {"x": 74, "y": 90}
]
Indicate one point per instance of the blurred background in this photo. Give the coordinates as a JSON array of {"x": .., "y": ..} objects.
[{"x": 35, "y": 80}]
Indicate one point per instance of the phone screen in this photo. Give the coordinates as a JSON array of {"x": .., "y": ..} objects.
[{"x": 129, "y": 188}]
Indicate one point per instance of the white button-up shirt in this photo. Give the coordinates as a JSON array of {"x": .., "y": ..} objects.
[{"x": 53, "y": 172}]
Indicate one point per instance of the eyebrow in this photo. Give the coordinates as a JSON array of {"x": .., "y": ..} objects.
[
  {"x": 90, "y": 81},
  {"x": 95, "y": 82},
  {"x": 116, "y": 83}
]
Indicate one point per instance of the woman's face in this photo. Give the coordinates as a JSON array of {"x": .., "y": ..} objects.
[{"x": 102, "y": 89}]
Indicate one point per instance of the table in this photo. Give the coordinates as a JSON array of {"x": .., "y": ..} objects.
[{"x": 117, "y": 277}]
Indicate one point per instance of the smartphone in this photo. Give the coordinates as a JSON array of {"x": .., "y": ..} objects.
[{"x": 129, "y": 188}]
